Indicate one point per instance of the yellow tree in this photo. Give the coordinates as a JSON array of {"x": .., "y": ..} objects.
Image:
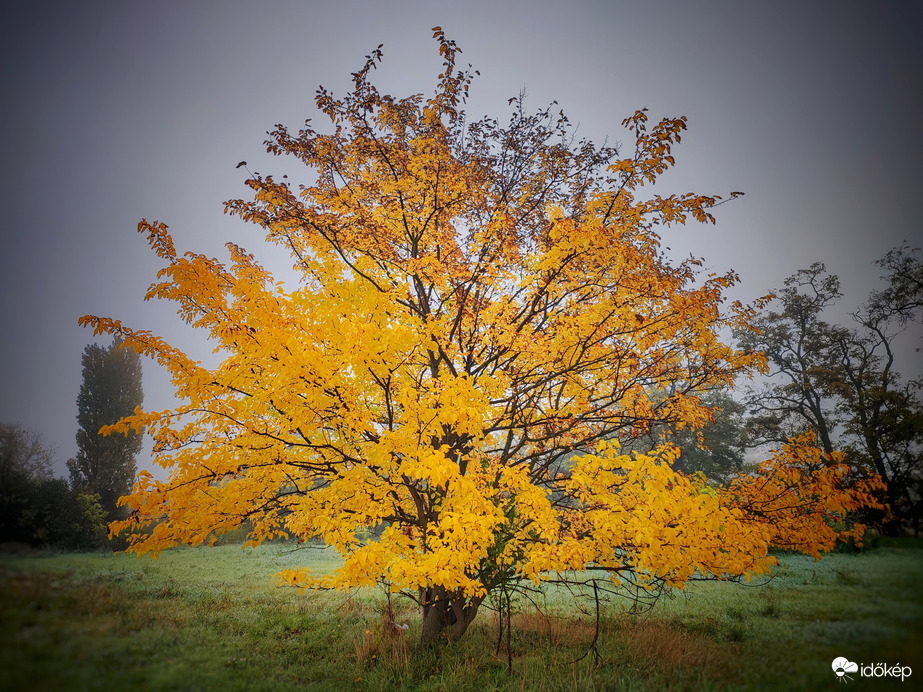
[{"x": 484, "y": 310}]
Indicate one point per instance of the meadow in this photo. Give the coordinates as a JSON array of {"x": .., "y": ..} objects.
[{"x": 212, "y": 619}]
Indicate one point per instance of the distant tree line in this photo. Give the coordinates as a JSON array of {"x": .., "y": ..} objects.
[
  {"x": 40, "y": 510},
  {"x": 35, "y": 507}
]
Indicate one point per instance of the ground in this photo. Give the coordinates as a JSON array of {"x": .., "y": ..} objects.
[{"x": 210, "y": 618}]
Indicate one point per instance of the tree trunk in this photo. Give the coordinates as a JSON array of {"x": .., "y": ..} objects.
[{"x": 446, "y": 614}]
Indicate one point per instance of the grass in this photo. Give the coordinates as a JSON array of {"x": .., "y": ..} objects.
[{"x": 211, "y": 619}]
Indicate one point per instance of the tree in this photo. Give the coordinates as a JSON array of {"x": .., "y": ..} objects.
[
  {"x": 24, "y": 461},
  {"x": 900, "y": 406},
  {"x": 23, "y": 451},
  {"x": 902, "y": 298},
  {"x": 883, "y": 421},
  {"x": 111, "y": 390},
  {"x": 715, "y": 449},
  {"x": 883, "y": 412},
  {"x": 797, "y": 343},
  {"x": 484, "y": 311},
  {"x": 841, "y": 382}
]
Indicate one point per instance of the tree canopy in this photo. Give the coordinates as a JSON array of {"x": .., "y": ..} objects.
[{"x": 484, "y": 311}]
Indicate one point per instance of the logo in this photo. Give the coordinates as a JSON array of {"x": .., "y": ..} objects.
[{"x": 843, "y": 666}]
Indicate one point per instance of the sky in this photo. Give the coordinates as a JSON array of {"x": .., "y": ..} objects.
[{"x": 113, "y": 112}]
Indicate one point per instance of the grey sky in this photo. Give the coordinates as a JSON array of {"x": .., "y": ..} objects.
[{"x": 114, "y": 111}]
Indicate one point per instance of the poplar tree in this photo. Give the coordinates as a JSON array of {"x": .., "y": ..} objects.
[{"x": 111, "y": 390}]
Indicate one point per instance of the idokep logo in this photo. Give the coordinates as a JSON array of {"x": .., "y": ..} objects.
[{"x": 842, "y": 666}]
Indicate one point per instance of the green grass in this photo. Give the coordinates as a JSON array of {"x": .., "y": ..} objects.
[{"x": 211, "y": 619}]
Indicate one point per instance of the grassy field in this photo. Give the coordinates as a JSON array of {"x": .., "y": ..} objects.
[{"x": 211, "y": 619}]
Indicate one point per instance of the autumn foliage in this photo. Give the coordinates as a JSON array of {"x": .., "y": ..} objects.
[{"x": 484, "y": 311}]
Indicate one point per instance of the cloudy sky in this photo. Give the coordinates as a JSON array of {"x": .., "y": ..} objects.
[{"x": 116, "y": 111}]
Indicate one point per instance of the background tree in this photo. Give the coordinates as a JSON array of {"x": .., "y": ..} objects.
[
  {"x": 841, "y": 382},
  {"x": 23, "y": 451},
  {"x": 35, "y": 507},
  {"x": 483, "y": 311},
  {"x": 718, "y": 448},
  {"x": 111, "y": 389},
  {"x": 884, "y": 413},
  {"x": 798, "y": 345},
  {"x": 902, "y": 298},
  {"x": 24, "y": 461}
]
